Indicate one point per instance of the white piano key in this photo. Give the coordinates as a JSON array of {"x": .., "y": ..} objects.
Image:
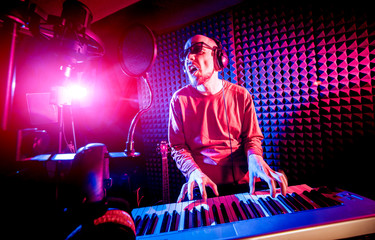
[
  {"x": 171, "y": 208},
  {"x": 199, "y": 205},
  {"x": 184, "y": 205},
  {"x": 282, "y": 205},
  {"x": 161, "y": 209},
  {"x": 210, "y": 216},
  {"x": 244, "y": 197},
  {"x": 262, "y": 211},
  {"x": 227, "y": 201},
  {"x": 236, "y": 200},
  {"x": 217, "y": 202}
]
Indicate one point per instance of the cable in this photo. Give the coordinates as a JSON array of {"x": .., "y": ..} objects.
[{"x": 230, "y": 141}]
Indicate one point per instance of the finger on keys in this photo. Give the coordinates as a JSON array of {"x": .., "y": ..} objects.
[
  {"x": 202, "y": 190},
  {"x": 213, "y": 186},
  {"x": 284, "y": 182},
  {"x": 191, "y": 190},
  {"x": 272, "y": 186},
  {"x": 182, "y": 193},
  {"x": 251, "y": 184},
  {"x": 281, "y": 179}
]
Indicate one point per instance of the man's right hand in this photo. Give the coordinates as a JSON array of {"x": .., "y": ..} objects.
[{"x": 197, "y": 178}]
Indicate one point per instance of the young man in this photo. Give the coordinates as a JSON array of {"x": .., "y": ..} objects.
[{"x": 213, "y": 128}]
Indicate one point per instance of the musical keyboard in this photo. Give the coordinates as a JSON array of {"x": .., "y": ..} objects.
[{"x": 304, "y": 213}]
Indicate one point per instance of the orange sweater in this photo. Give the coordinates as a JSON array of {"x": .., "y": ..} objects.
[{"x": 198, "y": 131}]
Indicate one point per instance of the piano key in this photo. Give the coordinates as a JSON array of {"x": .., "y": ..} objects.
[
  {"x": 137, "y": 221},
  {"x": 235, "y": 201},
  {"x": 216, "y": 214},
  {"x": 243, "y": 197},
  {"x": 282, "y": 205},
  {"x": 224, "y": 213},
  {"x": 226, "y": 201},
  {"x": 295, "y": 202},
  {"x": 257, "y": 213},
  {"x": 266, "y": 206},
  {"x": 165, "y": 221},
  {"x": 237, "y": 211},
  {"x": 183, "y": 205},
  {"x": 245, "y": 210},
  {"x": 171, "y": 208},
  {"x": 143, "y": 225},
  {"x": 274, "y": 205},
  {"x": 152, "y": 224},
  {"x": 147, "y": 213},
  {"x": 160, "y": 211},
  {"x": 137, "y": 216},
  {"x": 330, "y": 202},
  {"x": 287, "y": 203},
  {"x": 174, "y": 221},
  {"x": 201, "y": 205},
  {"x": 253, "y": 206},
  {"x": 303, "y": 201},
  {"x": 195, "y": 217},
  {"x": 210, "y": 216},
  {"x": 315, "y": 199},
  {"x": 186, "y": 218},
  {"x": 204, "y": 216},
  {"x": 217, "y": 202}
]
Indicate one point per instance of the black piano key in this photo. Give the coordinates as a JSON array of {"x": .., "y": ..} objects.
[
  {"x": 224, "y": 213},
  {"x": 295, "y": 202},
  {"x": 203, "y": 216},
  {"x": 216, "y": 214},
  {"x": 303, "y": 201},
  {"x": 315, "y": 199},
  {"x": 329, "y": 201},
  {"x": 244, "y": 209},
  {"x": 164, "y": 223},
  {"x": 152, "y": 224},
  {"x": 195, "y": 217},
  {"x": 186, "y": 221},
  {"x": 142, "y": 226},
  {"x": 237, "y": 211},
  {"x": 254, "y": 210},
  {"x": 266, "y": 206},
  {"x": 137, "y": 221},
  {"x": 274, "y": 205},
  {"x": 174, "y": 221},
  {"x": 287, "y": 203}
]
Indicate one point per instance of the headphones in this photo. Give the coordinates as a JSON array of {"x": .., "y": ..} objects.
[{"x": 220, "y": 56}]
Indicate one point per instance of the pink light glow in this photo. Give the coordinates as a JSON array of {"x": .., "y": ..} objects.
[{"x": 76, "y": 92}]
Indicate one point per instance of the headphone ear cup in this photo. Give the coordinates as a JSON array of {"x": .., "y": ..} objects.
[{"x": 221, "y": 59}]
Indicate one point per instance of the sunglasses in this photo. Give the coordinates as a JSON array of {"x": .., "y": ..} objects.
[{"x": 194, "y": 49}]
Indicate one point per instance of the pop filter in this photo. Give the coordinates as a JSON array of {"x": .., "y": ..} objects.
[
  {"x": 137, "y": 50},
  {"x": 137, "y": 54}
]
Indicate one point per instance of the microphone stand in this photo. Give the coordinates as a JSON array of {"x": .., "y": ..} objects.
[{"x": 129, "y": 150}]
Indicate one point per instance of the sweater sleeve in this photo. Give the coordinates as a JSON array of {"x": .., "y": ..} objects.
[
  {"x": 179, "y": 150},
  {"x": 251, "y": 132}
]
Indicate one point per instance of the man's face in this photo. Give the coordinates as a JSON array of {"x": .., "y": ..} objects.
[{"x": 199, "y": 61}]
